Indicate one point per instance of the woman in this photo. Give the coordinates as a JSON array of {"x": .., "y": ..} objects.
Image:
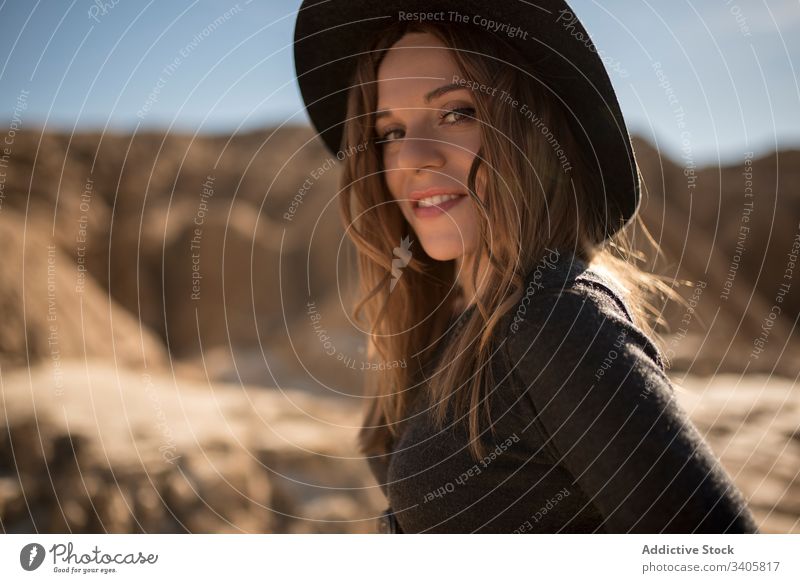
[{"x": 487, "y": 179}]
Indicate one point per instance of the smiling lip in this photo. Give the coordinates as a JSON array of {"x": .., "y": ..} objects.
[
  {"x": 428, "y": 192},
  {"x": 438, "y": 209}
]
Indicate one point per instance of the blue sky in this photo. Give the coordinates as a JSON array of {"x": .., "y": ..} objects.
[{"x": 732, "y": 65}]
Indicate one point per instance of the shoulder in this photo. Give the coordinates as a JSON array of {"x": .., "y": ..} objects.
[
  {"x": 591, "y": 383},
  {"x": 572, "y": 308}
]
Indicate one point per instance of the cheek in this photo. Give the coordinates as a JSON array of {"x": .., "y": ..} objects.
[
  {"x": 396, "y": 198},
  {"x": 396, "y": 188},
  {"x": 392, "y": 179}
]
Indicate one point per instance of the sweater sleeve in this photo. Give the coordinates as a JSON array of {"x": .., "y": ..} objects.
[{"x": 608, "y": 411}]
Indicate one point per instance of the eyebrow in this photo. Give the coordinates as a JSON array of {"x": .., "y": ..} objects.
[{"x": 430, "y": 96}]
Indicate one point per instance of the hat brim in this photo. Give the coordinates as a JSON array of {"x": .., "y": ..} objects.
[{"x": 330, "y": 34}]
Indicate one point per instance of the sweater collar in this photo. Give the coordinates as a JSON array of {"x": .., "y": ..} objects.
[{"x": 556, "y": 268}]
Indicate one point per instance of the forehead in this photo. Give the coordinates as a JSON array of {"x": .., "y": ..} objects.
[{"x": 416, "y": 62}]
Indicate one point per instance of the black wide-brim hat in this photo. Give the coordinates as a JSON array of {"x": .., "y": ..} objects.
[{"x": 330, "y": 34}]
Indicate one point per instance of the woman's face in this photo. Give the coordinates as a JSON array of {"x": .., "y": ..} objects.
[{"x": 428, "y": 141}]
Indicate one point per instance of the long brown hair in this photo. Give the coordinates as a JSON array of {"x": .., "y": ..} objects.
[{"x": 533, "y": 201}]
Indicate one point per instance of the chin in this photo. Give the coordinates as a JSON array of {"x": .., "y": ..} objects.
[{"x": 443, "y": 252}]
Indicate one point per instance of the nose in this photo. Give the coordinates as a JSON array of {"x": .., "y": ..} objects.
[{"x": 419, "y": 151}]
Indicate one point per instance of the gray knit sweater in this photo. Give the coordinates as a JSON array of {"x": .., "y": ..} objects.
[{"x": 588, "y": 434}]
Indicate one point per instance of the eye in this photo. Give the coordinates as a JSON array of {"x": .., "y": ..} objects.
[
  {"x": 386, "y": 136},
  {"x": 458, "y": 114},
  {"x": 451, "y": 116}
]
